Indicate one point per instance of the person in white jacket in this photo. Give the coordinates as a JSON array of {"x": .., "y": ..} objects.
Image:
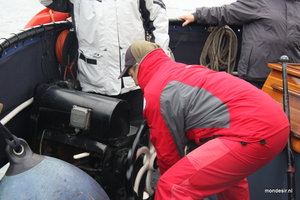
[{"x": 105, "y": 29}]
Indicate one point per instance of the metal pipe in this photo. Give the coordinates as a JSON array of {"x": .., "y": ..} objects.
[{"x": 290, "y": 159}]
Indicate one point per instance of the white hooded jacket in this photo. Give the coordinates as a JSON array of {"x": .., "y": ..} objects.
[{"x": 105, "y": 29}]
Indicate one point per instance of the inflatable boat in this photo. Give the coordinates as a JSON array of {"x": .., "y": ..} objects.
[{"x": 42, "y": 103}]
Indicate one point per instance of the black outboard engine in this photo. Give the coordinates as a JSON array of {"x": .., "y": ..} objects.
[
  {"x": 88, "y": 130},
  {"x": 95, "y": 116}
]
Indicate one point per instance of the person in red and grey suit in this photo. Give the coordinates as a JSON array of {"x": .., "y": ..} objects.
[{"x": 237, "y": 127}]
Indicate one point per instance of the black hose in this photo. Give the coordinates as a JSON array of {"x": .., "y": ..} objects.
[{"x": 10, "y": 139}]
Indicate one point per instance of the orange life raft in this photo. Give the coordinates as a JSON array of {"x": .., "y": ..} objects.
[{"x": 46, "y": 16}]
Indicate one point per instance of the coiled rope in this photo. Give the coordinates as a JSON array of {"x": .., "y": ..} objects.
[{"x": 220, "y": 49}]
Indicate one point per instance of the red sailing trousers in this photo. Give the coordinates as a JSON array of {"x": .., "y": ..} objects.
[{"x": 220, "y": 166}]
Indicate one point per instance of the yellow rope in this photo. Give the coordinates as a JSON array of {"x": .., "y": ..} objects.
[{"x": 220, "y": 49}]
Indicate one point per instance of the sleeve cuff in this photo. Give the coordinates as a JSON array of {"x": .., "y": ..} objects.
[{"x": 195, "y": 16}]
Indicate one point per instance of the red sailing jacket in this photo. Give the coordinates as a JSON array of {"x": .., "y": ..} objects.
[{"x": 191, "y": 102}]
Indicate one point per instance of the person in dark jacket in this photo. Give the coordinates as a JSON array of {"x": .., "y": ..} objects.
[
  {"x": 237, "y": 127},
  {"x": 271, "y": 28}
]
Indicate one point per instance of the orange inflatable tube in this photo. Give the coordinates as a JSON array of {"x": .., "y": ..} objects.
[{"x": 46, "y": 16}]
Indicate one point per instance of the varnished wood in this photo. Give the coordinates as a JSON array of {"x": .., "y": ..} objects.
[
  {"x": 273, "y": 86},
  {"x": 292, "y": 68},
  {"x": 291, "y": 92},
  {"x": 1, "y": 106}
]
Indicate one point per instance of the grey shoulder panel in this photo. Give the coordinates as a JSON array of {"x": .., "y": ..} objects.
[
  {"x": 173, "y": 113},
  {"x": 185, "y": 107}
]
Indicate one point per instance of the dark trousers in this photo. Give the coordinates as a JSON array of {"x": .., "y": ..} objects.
[{"x": 258, "y": 84}]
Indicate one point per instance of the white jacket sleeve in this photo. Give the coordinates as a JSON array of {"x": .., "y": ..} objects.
[{"x": 156, "y": 21}]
